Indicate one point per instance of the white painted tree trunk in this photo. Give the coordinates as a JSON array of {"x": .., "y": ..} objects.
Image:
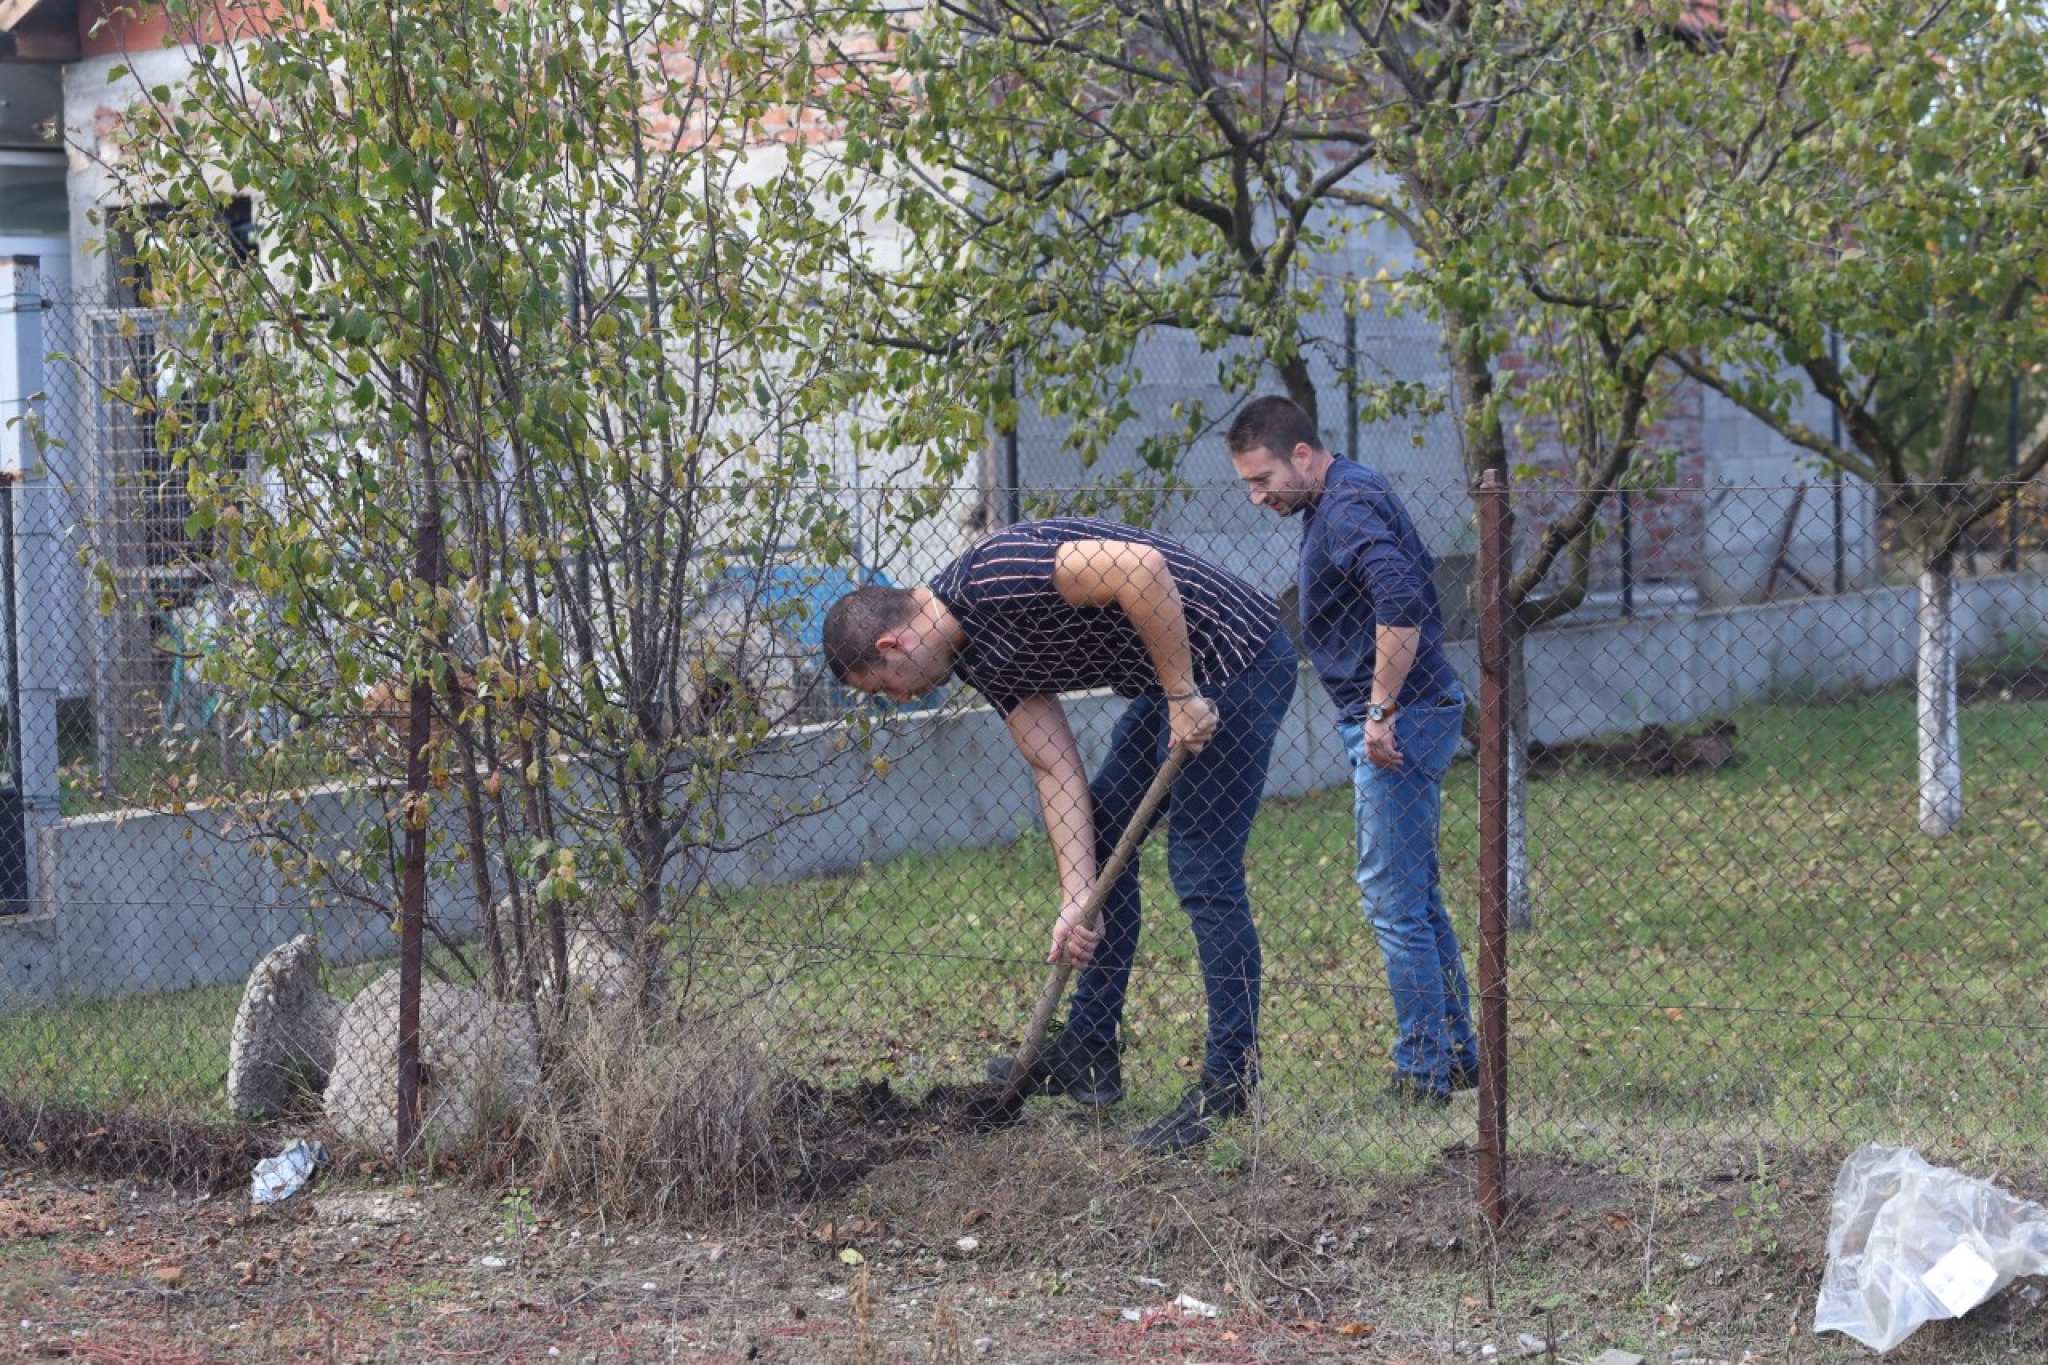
[
  {"x": 1941, "y": 753},
  {"x": 1521, "y": 905}
]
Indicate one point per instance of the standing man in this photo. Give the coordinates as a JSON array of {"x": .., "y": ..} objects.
[
  {"x": 1075, "y": 603},
  {"x": 1370, "y": 625}
]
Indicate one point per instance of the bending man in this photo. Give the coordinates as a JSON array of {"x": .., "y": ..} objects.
[{"x": 1072, "y": 604}]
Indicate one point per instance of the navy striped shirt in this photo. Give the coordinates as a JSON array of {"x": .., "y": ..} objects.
[{"x": 1024, "y": 639}]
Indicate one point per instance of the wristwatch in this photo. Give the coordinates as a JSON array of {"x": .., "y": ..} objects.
[{"x": 1375, "y": 711}]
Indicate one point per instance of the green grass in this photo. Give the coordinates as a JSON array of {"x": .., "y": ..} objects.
[
  {"x": 1770, "y": 953},
  {"x": 155, "y": 1054},
  {"x": 162, "y": 772}
]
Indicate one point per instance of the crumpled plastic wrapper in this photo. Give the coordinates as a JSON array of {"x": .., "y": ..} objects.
[
  {"x": 280, "y": 1177},
  {"x": 1910, "y": 1242}
]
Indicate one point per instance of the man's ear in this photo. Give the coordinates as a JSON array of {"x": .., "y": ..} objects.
[{"x": 889, "y": 641}]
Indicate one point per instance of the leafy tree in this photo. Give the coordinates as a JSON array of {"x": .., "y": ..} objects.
[
  {"x": 1865, "y": 180},
  {"x": 1073, "y": 177},
  {"x": 523, "y": 397}
]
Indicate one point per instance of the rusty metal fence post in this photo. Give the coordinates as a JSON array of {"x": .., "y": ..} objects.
[{"x": 1494, "y": 660}]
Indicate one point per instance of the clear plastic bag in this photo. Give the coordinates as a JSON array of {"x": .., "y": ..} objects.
[{"x": 1911, "y": 1242}]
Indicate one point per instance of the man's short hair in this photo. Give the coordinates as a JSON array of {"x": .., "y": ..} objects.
[
  {"x": 1272, "y": 423},
  {"x": 857, "y": 620}
]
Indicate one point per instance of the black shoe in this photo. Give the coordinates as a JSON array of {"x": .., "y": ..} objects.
[
  {"x": 1205, "y": 1105},
  {"x": 1408, "y": 1093},
  {"x": 1086, "y": 1073},
  {"x": 1465, "y": 1077}
]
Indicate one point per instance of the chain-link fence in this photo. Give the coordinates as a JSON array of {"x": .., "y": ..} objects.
[
  {"x": 1731, "y": 922},
  {"x": 1760, "y": 853}
]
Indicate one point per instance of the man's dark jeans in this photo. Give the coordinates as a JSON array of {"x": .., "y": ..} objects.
[{"x": 1208, "y": 821}]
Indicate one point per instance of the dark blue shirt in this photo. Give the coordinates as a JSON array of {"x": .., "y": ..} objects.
[
  {"x": 1363, "y": 565},
  {"x": 1024, "y": 639}
]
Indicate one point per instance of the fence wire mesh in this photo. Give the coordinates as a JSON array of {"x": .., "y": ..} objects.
[{"x": 1731, "y": 922}]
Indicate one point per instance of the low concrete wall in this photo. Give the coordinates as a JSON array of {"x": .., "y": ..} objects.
[
  {"x": 1673, "y": 670},
  {"x": 138, "y": 902}
]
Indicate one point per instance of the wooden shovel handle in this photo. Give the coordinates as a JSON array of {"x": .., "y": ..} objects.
[{"x": 1056, "y": 978}]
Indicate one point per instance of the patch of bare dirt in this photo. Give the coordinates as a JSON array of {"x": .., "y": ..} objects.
[
  {"x": 2011, "y": 684},
  {"x": 1653, "y": 751},
  {"x": 1046, "y": 1242}
]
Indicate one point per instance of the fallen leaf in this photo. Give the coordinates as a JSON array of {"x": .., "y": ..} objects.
[
  {"x": 851, "y": 1257},
  {"x": 169, "y": 1276},
  {"x": 1356, "y": 1329}
]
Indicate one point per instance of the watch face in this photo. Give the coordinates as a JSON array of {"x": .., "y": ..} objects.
[{"x": 1375, "y": 711}]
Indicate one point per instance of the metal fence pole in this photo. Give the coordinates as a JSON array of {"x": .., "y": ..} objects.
[
  {"x": 1013, "y": 475},
  {"x": 2012, "y": 468},
  {"x": 1350, "y": 377},
  {"x": 1837, "y": 514},
  {"x": 1627, "y": 532},
  {"x": 14, "y": 843},
  {"x": 32, "y": 573},
  {"x": 1494, "y": 662}
]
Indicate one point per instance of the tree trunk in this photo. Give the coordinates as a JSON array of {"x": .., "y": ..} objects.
[
  {"x": 1521, "y": 904},
  {"x": 1941, "y": 753}
]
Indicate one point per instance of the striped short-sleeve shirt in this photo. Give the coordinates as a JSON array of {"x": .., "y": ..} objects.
[{"x": 1024, "y": 639}]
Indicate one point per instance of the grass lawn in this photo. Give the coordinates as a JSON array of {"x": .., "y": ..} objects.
[{"x": 1765, "y": 955}]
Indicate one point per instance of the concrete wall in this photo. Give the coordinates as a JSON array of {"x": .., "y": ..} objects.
[
  {"x": 1676, "y": 669},
  {"x": 138, "y": 902}
]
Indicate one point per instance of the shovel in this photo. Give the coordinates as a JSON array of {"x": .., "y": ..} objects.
[{"x": 987, "y": 1110}]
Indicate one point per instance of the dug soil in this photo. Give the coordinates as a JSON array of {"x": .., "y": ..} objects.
[{"x": 1048, "y": 1241}]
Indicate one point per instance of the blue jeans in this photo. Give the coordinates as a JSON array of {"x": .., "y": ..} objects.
[
  {"x": 1399, "y": 820},
  {"x": 1208, "y": 821}
]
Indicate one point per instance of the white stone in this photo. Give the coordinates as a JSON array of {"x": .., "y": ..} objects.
[
  {"x": 282, "y": 1045},
  {"x": 479, "y": 1062},
  {"x": 377, "y": 1210}
]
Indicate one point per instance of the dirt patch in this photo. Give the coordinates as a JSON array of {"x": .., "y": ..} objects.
[
  {"x": 2012, "y": 684},
  {"x": 833, "y": 1139},
  {"x": 1653, "y": 751},
  {"x": 170, "y": 1151},
  {"x": 1050, "y": 1241}
]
